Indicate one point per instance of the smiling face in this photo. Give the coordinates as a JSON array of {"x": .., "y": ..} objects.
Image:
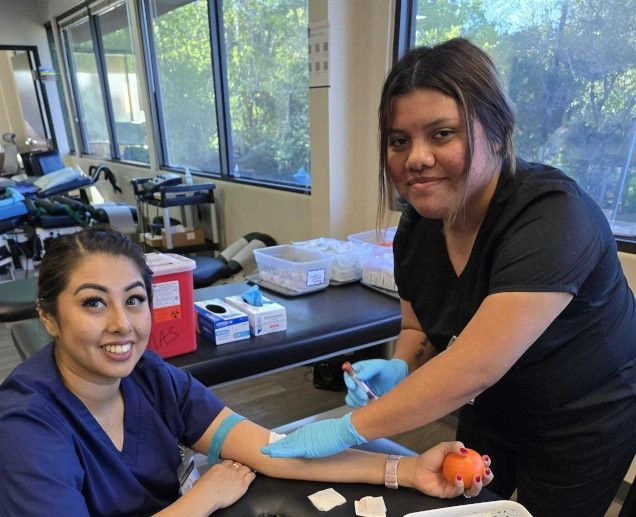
[
  {"x": 427, "y": 153},
  {"x": 102, "y": 324}
]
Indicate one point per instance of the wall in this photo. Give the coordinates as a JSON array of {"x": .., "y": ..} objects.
[
  {"x": 342, "y": 118},
  {"x": 20, "y": 24}
]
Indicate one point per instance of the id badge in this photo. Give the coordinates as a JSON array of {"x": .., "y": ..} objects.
[{"x": 187, "y": 473}]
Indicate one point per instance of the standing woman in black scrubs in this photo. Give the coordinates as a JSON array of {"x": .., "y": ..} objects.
[{"x": 516, "y": 266}]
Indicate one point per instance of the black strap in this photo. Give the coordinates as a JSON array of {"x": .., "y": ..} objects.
[{"x": 94, "y": 173}]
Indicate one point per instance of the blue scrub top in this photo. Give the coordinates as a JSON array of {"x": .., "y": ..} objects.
[{"x": 55, "y": 459}]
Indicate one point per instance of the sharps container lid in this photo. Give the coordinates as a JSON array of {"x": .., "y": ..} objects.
[{"x": 169, "y": 263}]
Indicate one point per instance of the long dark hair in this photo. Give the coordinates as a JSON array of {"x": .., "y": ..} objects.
[{"x": 464, "y": 72}]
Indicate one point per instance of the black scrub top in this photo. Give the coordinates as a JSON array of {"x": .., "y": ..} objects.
[{"x": 541, "y": 233}]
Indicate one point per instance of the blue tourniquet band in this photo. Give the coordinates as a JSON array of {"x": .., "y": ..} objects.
[{"x": 219, "y": 436}]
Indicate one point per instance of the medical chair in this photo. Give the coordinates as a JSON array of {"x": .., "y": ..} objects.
[
  {"x": 43, "y": 162},
  {"x": 14, "y": 216},
  {"x": 57, "y": 212},
  {"x": 17, "y": 300},
  {"x": 48, "y": 176}
]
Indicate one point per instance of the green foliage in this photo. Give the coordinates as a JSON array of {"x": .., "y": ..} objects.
[
  {"x": 571, "y": 75},
  {"x": 267, "y": 78},
  {"x": 265, "y": 52},
  {"x": 183, "y": 53}
]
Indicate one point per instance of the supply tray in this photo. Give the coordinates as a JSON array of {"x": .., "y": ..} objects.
[
  {"x": 388, "y": 292},
  {"x": 345, "y": 265},
  {"x": 277, "y": 288},
  {"x": 495, "y": 508},
  {"x": 292, "y": 269}
]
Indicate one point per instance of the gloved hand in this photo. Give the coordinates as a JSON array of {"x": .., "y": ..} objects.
[
  {"x": 316, "y": 440},
  {"x": 379, "y": 374}
]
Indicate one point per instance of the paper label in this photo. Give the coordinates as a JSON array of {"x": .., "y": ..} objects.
[
  {"x": 166, "y": 301},
  {"x": 316, "y": 277}
]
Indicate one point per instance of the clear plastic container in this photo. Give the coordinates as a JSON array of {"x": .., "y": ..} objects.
[
  {"x": 345, "y": 265},
  {"x": 380, "y": 239},
  {"x": 293, "y": 269},
  {"x": 377, "y": 270}
]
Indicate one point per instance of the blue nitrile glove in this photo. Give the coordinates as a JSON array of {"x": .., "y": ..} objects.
[
  {"x": 379, "y": 374},
  {"x": 253, "y": 296},
  {"x": 317, "y": 440}
]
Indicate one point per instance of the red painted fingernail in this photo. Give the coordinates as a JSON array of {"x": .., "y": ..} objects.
[
  {"x": 478, "y": 479},
  {"x": 487, "y": 472},
  {"x": 486, "y": 457},
  {"x": 459, "y": 478},
  {"x": 463, "y": 450}
]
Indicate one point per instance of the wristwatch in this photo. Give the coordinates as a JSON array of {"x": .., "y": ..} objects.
[{"x": 390, "y": 471}]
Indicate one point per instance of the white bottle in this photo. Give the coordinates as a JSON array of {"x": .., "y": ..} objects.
[{"x": 188, "y": 176}]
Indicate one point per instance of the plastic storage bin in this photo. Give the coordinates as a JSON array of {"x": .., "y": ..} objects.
[
  {"x": 173, "y": 330},
  {"x": 380, "y": 240},
  {"x": 377, "y": 263},
  {"x": 292, "y": 270},
  {"x": 377, "y": 270},
  {"x": 345, "y": 255}
]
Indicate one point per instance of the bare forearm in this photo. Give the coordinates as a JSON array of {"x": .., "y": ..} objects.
[
  {"x": 350, "y": 466},
  {"x": 353, "y": 466}
]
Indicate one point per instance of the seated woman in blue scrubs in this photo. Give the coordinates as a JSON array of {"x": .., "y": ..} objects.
[{"x": 93, "y": 423}]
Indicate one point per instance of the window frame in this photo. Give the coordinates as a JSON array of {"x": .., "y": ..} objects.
[
  {"x": 153, "y": 92},
  {"x": 66, "y": 116},
  {"x": 90, "y": 12}
]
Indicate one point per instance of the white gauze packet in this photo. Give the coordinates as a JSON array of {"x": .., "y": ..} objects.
[
  {"x": 370, "y": 506},
  {"x": 326, "y": 499}
]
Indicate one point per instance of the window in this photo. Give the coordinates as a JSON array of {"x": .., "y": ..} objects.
[
  {"x": 185, "y": 84},
  {"x": 102, "y": 67},
  {"x": 123, "y": 86},
  {"x": 570, "y": 72},
  {"x": 267, "y": 73},
  {"x": 228, "y": 83},
  {"x": 86, "y": 88},
  {"x": 233, "y": 100},
  {"x": 56, "y": 67}
]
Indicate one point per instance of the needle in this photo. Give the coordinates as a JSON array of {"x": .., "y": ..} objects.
[{"x": 346, "y": 366}]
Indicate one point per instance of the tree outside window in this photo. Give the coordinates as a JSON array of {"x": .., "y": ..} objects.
[{"x": 571, "y": 74}]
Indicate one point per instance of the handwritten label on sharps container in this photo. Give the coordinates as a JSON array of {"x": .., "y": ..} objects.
[
  {"x": 166, "y": 301},
  {"x": 315, "y": 277}
]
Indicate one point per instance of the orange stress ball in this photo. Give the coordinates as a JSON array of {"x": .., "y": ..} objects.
[{"x": 466, "y": 466}]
